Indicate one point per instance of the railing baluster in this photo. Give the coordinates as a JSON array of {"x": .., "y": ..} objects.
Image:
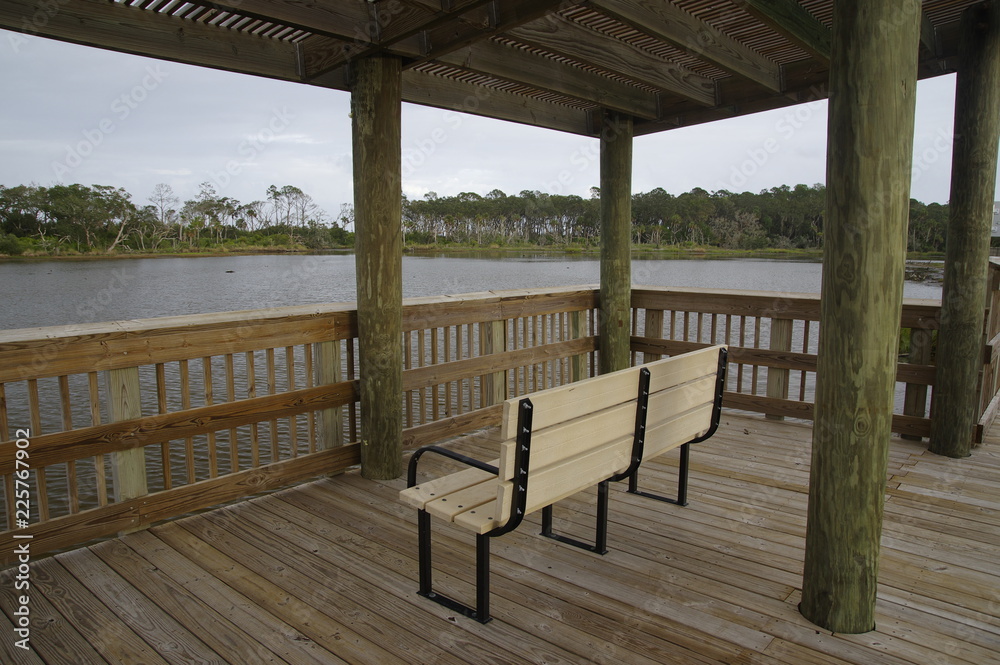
[
  {"x": 234, "y": 453},
  {"x": 293, "y": 420},
  {"x": 272, "y": 388},
  {"x": 72, "y": 491},
  {"x": 436, "y": 388},
  {"x": 161, "y": 407},
  {"x": 206, "y": 372},
  {"x": 251, "y": 393},
  {"x": 100, "y": 472}
]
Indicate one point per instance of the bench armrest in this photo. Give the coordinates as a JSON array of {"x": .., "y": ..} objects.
[{"x": 411, "y": 472}]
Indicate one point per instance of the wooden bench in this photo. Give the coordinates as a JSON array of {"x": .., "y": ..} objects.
[{"x": 561, "y": 441}]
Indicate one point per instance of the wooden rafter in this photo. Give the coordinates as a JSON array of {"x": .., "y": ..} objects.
[
  {"x": 521, "y": 66},
  {"x": 132, "y": 30},
  {"x": 442, "y": 33},
  {"x": 566, "y": 38},
  {"x": 791, "y": 20},
  {"x": 449, "y": 94},
  {"x": 669, "y": 23}
]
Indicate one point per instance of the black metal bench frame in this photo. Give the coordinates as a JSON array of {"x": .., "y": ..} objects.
[{"x": 481, "y": 612}]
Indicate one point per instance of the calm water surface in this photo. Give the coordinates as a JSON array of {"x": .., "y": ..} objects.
[{"x": 45, "y": 293}]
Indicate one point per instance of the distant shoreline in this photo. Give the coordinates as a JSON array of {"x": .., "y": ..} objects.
[{"x": 640, "y": 251}]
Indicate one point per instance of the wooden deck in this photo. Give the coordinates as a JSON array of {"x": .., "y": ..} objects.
[{"x": 326, "y": 573}]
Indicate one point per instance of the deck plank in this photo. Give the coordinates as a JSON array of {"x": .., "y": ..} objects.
[
  {"x": 223, "y": 637},
  {"x": 325, "y": 572},
  {"x": 96, "y": 623},
  {"x": 53, "y": 638},
  {"x": 268, "y": 628},
  {"x": 339, "y": 639}
]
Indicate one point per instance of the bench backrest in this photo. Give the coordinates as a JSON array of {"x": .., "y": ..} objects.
[{"x": 582, "y": 433}]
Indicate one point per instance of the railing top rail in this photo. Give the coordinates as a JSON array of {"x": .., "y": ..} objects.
[
  {"x": 917, "y": 312},
  {"x": 78, "y": 348}
]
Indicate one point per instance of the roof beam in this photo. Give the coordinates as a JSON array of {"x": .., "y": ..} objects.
[
  {"x": 347, "y": 20},
  {"x": 499, "y": 17},
  {"x": 928, "y": 34},
  {"x": 429, "y": 90},
  {"x": 568, "y": 39},
  {"x": 667, "y": 22},
  {"x": 118, "y": 27},
  {"x": 789, "y": 18},
  {"x": 464, "y": 23},
  {"x": 513, "y": 64}
]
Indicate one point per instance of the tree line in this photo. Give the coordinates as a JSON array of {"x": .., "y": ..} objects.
[
  {"x": 781, "y": 218},
  {"x": 101, "y": 218}
]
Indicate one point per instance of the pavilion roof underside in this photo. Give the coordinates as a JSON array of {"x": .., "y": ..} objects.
[{"x": 554, "y": 64}]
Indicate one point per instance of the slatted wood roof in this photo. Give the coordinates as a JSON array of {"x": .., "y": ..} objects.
[{"x": 549, "y": 63}]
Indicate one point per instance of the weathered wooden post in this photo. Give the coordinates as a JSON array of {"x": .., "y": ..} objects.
[
  {"x": 778, "y": 379},
  {"x": 973, "y": 177},
  {"x": 328, "y": 371},
  {"x": 869, "y": 154},
  {"x": 493, "y": 339},
  {"x": 616, "y": 242},
  {"x": 128, "y": 467},
  {"x": 915, "y": 398},
  {"x": 653, "y": 325},
  {"x": 376, "y": 110}
]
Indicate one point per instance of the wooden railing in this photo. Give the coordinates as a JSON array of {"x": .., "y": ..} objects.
[
  {"x": 773, "y": 339},
  {"x": 106, "y": 428},
  {"x": 989, "y": 379}
]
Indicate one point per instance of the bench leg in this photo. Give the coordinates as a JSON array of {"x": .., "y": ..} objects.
[
  {"x": 482, "y": 611},
  {"x": 682, "y": 481},
  {"x": 424, "y": 551},
  {"x": 601, "y": 542}
]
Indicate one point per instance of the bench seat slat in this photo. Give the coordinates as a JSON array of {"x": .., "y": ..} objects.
[
  {"x": 469, "y": 498},
  {"x": 419, "y": 495},
  {"x": 487, "y": 517}
]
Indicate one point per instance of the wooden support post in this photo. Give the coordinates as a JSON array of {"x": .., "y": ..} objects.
[
  {"x": 328, "y": 371},
  {"x": 654, "y": 328},
  {"x": 616, "y": 242},
  {"x": 128, "y": 467},
  {"x": 915, "y": 400},
  {"x": 973, "y": 178},
  {"x": 376, "y": 111},
  {"x": 777, "y": 379},
  {"x": 869, "y": 155},
  {"x": 578, "y": 329},
  {"x": 493, "y": 339}
]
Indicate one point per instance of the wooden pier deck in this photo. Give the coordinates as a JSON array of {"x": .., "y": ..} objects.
[{"x": 326, "y": 573}]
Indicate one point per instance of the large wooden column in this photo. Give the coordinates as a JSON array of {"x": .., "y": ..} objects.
[
  {"x": 616, "y": 242},
  {"x": 869, "y": 152},
  {"x": 376, "y": 109},
  {"x": 973, "y": 178}
]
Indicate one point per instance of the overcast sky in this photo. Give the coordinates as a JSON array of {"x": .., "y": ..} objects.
[{"x": 78, "y": 114}]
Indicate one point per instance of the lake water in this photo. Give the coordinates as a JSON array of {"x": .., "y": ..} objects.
[{"x": 56, "y": 292}]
